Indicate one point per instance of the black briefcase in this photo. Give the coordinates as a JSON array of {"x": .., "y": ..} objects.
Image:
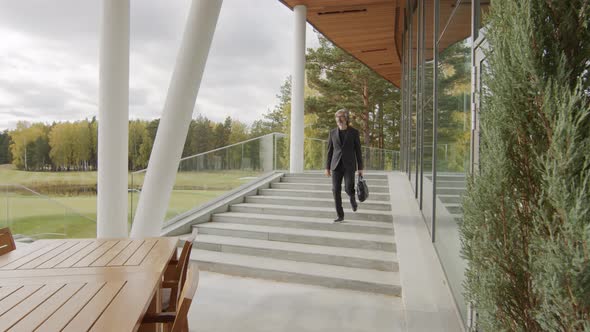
[{"x": 362, "y": 190}]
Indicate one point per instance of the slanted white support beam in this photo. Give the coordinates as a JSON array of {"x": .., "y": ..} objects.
[
  {"x": 297, "y": 88},
  {"x": 113, "y": 118},
  {"x": 176, "y": 117}
]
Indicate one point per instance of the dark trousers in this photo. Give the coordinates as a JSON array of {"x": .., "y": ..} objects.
[{"x": 337, "y": 175}]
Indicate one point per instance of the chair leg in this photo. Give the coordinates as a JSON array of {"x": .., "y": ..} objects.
[{"x": 173, "y": 299}]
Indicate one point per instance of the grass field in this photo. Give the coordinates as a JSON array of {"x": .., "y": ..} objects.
[
  {"x": 74, "y": 216},
  {"x": 214, "y": 180}
]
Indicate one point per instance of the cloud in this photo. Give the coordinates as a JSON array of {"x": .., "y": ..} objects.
[{"x": 49, "y": 58}]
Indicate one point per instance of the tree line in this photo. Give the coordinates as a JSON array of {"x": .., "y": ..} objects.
[{"x": 72, "y": 146}]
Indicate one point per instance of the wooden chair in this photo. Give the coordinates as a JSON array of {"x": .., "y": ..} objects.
[
  {"x": 6, "y": 241},
  {"x": 178, "y": 321},
  {"x": 175, "y": 276}
]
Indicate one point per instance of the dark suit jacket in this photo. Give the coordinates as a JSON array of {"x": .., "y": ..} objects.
[{"x": 348, "y": 151}]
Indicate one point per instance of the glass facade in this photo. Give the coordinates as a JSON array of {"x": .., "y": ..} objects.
[
  {"x": 452, "y": 146},
  {"x": 438, "y": 126},
  {"x": 412, "y": 95}
]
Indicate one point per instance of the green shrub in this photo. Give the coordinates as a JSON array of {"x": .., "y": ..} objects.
[{"x": 526, "y": 229}]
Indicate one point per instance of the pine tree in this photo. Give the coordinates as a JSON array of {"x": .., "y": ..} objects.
[
  {"x": 5, "y": 155},
  {"x": 526, "y": 229}
]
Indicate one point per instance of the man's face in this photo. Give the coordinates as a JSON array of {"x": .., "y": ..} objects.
[{"x": 341, "y": 121}]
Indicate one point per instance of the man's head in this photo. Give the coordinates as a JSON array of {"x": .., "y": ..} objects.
[{"x": 342, "y": 118}]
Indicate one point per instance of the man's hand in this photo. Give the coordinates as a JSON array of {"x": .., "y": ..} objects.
[
  {"x": 360, "y": 172},
  {"x": 328, "y": 173}
]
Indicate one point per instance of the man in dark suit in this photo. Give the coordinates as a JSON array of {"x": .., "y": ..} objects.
[{"x": 344, "y": 158}]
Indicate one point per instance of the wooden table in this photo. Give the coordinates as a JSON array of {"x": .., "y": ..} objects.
[{"x": 82, "y": 285}]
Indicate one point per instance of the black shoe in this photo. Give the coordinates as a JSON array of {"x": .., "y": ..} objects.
[
  {"x": 339, "y": 219},
  {"x": 355, "y": 207}
]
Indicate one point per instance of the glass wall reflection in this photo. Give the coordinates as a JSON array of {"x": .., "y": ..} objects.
[
  {"x": 453, "y": 139},
  {"x": 413, "y": 97},
  {"x": 428, "y": 114},
  {"x": 444, "y": 144}
]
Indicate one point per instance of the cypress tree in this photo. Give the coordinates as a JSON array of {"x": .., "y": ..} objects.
[{"x": 526, "y": 229}]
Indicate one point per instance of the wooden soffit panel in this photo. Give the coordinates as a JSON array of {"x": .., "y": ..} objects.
[{"x": 372, "y": 30}]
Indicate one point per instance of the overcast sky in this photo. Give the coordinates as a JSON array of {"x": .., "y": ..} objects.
[{"x": 49, "y": 58}]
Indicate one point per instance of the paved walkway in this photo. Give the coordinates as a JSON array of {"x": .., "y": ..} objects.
[
  {"x": 229, "y": 304},
  {"x": 428, "y": 303}
]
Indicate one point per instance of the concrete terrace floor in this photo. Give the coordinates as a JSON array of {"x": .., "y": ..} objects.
[{"x": 227, "y": 304}]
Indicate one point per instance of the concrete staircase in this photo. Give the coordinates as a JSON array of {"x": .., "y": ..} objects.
[
  {"x": 450, "y": 188},
  {"x": 286, "y": 233}
]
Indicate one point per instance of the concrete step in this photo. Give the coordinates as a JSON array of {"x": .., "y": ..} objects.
[
  {"x": 322, "y": 186},
  {"x": 449, "y": 184},
  {"x": 449, "y": 177},
  {"x": 299, "y": 272},
  {"x": 445, "y": 191},
  {"x": 317, "y": 212},
  {"x": 327, "y": 180},
  {"x": 454, "y": 208},
  {"x": 443, "y": 177},
  {"x": 294, "y": 235},
  {"x": 311, "y": 223},
  {"x": 368, "y": 176},
  {"x": 375, "y": 197},
  {"x": 350, "y": 257},
  {"x": 317, "y": 202},
  {"x": 450, "y": 199}
]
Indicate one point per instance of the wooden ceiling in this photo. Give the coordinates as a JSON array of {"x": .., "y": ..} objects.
[{"x": 372, "y": 30}]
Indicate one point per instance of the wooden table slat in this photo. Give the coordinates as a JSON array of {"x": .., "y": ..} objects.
[
  {"x": 31, "y": 256},
  {"x": 47, "y": 308},
  {"x": 21, "y": 252},
  {"x": 17, "y": 297},
  {"x": 124, "y": 255},
  {"x": 118, "y": 315},
  {"x": 7, "y": 290},
  {"x": 60, "y": 318},
  {"x": 111, "y": 253},
  {"x": 141, "y": 253},
  {"x": 94, "y": 308},
  {"x": 164, "y": 250},
  {"x": 28, "y": 305},
  {"x": 96, "y": 254},
  {"x": 75, "y": 257},
  {"x": 47, "y": 256},
  {"x": 64, "y": 255}
]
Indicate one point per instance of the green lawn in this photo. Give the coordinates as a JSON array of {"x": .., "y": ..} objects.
[
  {"x": 33, "y": 216},
  {"x": 8, "y": 174},
  {"x": 74, "y": 216},
  {"x": 214, "y": 180}
]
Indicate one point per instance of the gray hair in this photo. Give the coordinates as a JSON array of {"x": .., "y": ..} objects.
[{"x": 346, "y": 114}]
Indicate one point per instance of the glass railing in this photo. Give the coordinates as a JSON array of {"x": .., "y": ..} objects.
[
  {"x": 208, "y": 175},
  {"x": 33, "y": 216},
  {"x": 315, "y": 155}
]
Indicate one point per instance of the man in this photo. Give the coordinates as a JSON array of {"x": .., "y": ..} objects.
[{"x": 344, "y": 158}]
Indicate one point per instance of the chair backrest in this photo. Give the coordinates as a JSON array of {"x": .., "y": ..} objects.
[
  {"x": 183, "y": 260},
  {"x": 6, "y": 241},
  {"x": 186, "y": 298}
]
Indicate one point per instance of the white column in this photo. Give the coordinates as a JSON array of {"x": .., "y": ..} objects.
[
  {"x": 297, "y": 87},
  {"x": 176, "y": 117},
  {"x": 113, "y": 118}
]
